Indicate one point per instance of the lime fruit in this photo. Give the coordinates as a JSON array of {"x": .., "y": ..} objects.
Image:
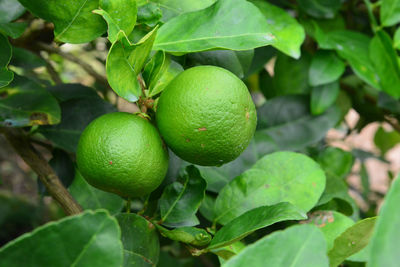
[
  {"x": 122, "y": 153},
  {"x": 206, "y": 116}
]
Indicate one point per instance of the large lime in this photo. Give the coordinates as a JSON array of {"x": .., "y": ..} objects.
[
  {"x": 122, "y": 153},
  {"x": 206, "y": 116}
]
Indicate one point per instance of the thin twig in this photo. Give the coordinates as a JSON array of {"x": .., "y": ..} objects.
[
  {"x": 52, "y": 72},
  {"x": 21, "y": 144},
  {"x": 55, "y": 50}
]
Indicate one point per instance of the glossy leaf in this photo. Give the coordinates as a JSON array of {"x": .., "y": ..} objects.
[
  {"x": 10, "y": 10},
  {"x": 278, "y": 177},
  {"x": 325, "y": 67},
  {"x": 140, "y": 240},
  {"x": 384, "y": 59},
  {"x": 91, "y": 238},
  {"x": 206, "y": 29},
  {"x": 189, "y": 235},
  {"x": 238, "y": 62},
  {"x": 73, "y": 21},
  {"x": 293, "y": 127},
  {"x": 288, "y": 32},
  {"x": 353, "y": 47},
  {"x": 331, "y": 223},
  {"x": 120, "y": 15},
  {"x": 351, "y": 241},
  {"x": 27, "y": 103},
  {"x": 320, "y": 8},
  {"x": 384, "y": 242},
  {"x": 92, "y": 198},
  {"x": 297, "y": 246},
  {"x": 125, "y": 62},
  {"x": 181, "y": 200},
  {"x": 77, "y": 113},
  {"x": 390, "y": 12},
  {"x": 385, "y": 140},
  {"x": 14, "y": 30},
  {"x": 173, "y": 8},
  {"x": 323, "y": 97},
  {"x": 159, "y": 72},
  {"x": 252, "y": 220}
]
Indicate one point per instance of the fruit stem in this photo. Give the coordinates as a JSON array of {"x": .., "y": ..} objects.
[
  {"x": 128, "y": 205},
  {"x": 145, "y": 204}
]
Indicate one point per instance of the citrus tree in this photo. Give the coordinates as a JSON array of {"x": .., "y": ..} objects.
[{"x": 193, "y": 133}]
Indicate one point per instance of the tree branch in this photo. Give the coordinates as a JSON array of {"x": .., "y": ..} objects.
[
  {"x": 20, "y": 142},
  {"x": 55, "y": 50}
]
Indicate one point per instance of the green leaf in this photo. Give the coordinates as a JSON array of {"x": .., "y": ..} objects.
[
  {"x": 384, "y": 59},
  {"x": 173, "y": 8},
  {"x": 384, "y": 242},
  {"x": 26, "y": 103},
  {"x": 225, "y": 253},
  {"x": 189, "y": 235},
  {"x": 77, "y": 113},
  {"x": 278, "y": 177},
  {"x": 73, "y": 21},
  {"x": 320, "y": 8},
  {"x": 353, "y": 47},
  {"x": 385, "y": 140},
  {"x": 238, "y": 62},
  {"x": 125, "y": 62},
  {"x": 207, "y": 207},
  {"x": 149, "y": 14},
  {"x": 292, "y": 127},
  {"x": 324, "y": 96},
  {"x": 14, "y": 30},
  {"x": 331, "y": 223},
  {"x": 92, "y": 198},
  {"x": 87, "y": 239},
  {"x": 396, "y": 41},
  {"x": 288, "y": 32},
  {"x": 351, "y": 241},
  {"x": 325, "y": 67},
  {"x": 120, "y": 15},
  {"x": 252, "y": 220},
  {"x": 261, "y": 56},
  {"x": 10, "y": 10},
  {"x": 181, "y": 200},
  {"x": 390, "y": 12},
  {"x": 336, "y": 161},
  {"x": 25, "y": 59},
  {"x": 206, "y": 29},
  {"x": 6, "y": 76},
  {"x": 159, "y": 72},
  {"x": 140, "y": 240},
  {"x": 297, "y": 246}
]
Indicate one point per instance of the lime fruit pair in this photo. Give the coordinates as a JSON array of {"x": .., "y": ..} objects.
[{"x": 205, "y": 115}]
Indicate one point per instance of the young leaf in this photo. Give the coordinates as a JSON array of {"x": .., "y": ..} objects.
[
  {"x": 26, "y": 103},
  {"x": 73, "y": 21},
  {"x": 331, "y": 223},
  {"x": 245, "y": 28},
  {"x": 297, "y": 246},
  {"x": 351, "y": 241},
  {"x": 278, "y": 177},
  {"x": 189, "y": 235},
  {"x": 384, "y": 59},
  {"x": 390, "y": 12},
  {"x": 325, "y": 67},
  {"x": 252, "y": 220},
  {"x": 125, "y": 62},
  {"x": 180, "y": 201},
  {"x": 92, "y": 198},
  {"x": 120, "y": 15},
  {"x": 320, "y": 8},
  {"x": 288, "y": 32},
  {"x": 91, "y": 238},
  {"x": 10, "y": 10},
  {"x": 324, "y": 96},
  {"x": 384, "y": 242},
  {"x": 140, "y": 240},
  {"x": 149, "y": 14}
]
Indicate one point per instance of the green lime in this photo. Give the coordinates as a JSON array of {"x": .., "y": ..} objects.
[
  {"x": 122, "y": 153},
  {"x": 206, "y": 116}
]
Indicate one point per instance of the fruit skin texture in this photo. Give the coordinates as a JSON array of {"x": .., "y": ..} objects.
[
  {"x": 122, "y": 153},
  {"x": 206, "y": 116}
]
